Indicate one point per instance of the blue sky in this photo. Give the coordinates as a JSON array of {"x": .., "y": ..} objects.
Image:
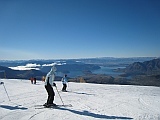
[{"x": 65, "y": 29}]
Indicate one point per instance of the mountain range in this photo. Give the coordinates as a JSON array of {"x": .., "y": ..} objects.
[
  {"x": 147, "y": 67},
  {"x": 138, "y": 73}
]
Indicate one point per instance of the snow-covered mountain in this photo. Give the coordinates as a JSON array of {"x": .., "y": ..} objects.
[{"x": 89, "y": 101}]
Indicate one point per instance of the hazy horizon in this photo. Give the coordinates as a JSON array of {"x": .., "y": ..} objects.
[{"x": 78, "y": 58}]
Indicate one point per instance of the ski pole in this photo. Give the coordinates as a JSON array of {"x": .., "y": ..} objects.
[
  {"x": 68, "y": 84},
  {"x": 6, "y": 92},
  {"x": 59, "y": 96}
]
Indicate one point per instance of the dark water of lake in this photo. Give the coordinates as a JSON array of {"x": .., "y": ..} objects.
[
  {"x": 103, "y": 70},
  {"x": 108, "y": 71},
  {"x": 72, "y": 74}
]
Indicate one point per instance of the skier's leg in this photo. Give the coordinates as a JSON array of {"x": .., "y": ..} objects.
[
  {"x": 47, "y": 89},
  {"x": 51, "y": 95},
  {"x": 65, "y": 86}
]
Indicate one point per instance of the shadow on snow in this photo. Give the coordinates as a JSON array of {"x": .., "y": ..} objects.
[
  {"x": 13, "y": 107},
  {"x": 87, "y": 113}
]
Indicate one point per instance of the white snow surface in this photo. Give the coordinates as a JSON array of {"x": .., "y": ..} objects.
[{"x": 89, "y": 101}]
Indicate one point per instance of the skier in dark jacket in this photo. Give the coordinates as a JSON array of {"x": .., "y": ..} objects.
[{"x": 49, "y": 82}]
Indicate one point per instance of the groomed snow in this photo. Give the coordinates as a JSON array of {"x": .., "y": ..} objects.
[{"x": 89, "y": 101}]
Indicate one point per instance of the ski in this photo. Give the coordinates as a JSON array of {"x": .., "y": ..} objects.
[
  {"x": 43, "y": 107},
  {"x": 54, "y": 106},
  {"x": 63, "y": 91}
]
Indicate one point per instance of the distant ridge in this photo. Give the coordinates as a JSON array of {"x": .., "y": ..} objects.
[{"x": 147, "y": 67}]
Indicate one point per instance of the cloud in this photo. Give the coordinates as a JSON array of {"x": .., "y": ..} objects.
[
  {"x": 28, "y": 66},
  {"x": 49, "y": 64},
  {"x": 61, "y": 63},
  {"x": 55, "y": 63},
  {"x": 32, "y": 65}
]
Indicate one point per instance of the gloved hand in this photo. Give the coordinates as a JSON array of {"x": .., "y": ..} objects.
[
  {"x": 1, "y": 82},
  {"x": 54, "y": 84}
]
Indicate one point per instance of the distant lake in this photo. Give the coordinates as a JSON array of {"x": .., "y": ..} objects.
[
  {"x": 108, "y": 71},
  {"x": 103, "y": 70},
  {"x": 72, "y": 74}
]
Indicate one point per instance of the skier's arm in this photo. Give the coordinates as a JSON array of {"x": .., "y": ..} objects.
[
  {"x": 66, "y": 80},
  {"x": 62, "y": 79}
]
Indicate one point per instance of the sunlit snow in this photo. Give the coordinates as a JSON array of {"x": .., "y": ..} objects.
[{"x": 89, "y": 101}]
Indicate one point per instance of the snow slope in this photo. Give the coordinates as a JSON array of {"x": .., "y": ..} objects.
[{"x": 89, "y": 101}]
